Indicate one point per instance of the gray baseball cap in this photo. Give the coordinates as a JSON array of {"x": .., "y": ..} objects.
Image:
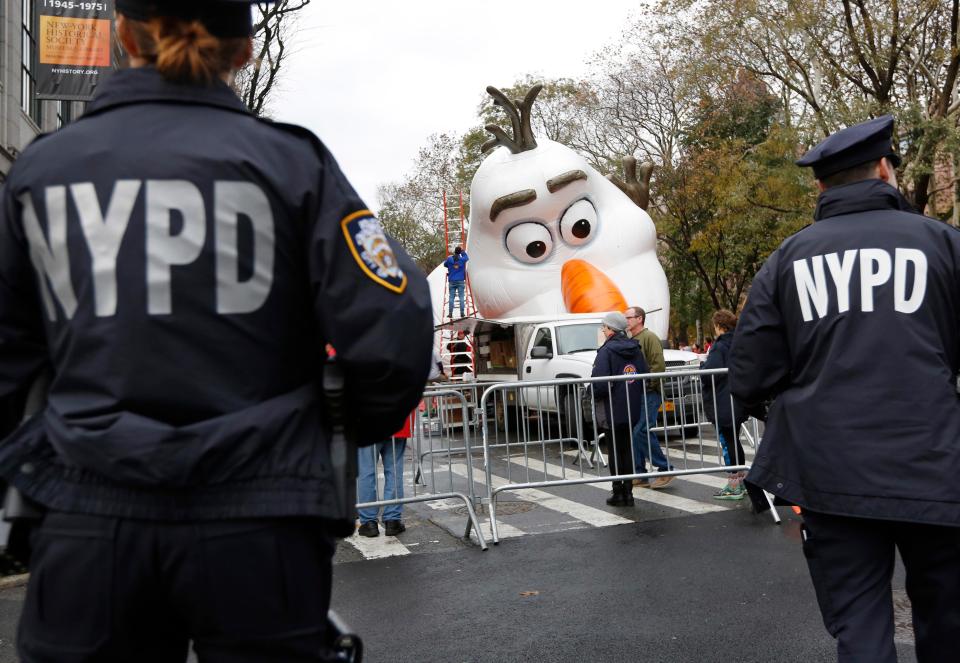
[{"x": 615, "y": 321}]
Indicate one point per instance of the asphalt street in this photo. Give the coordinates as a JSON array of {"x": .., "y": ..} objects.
[
  {"x": 680, "y": 577},
  {"x": 714, "y": 587},
  {"x": 708, "y": 588}
]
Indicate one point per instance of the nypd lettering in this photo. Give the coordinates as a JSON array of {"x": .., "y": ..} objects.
[
  {"x": 231, "y": 201},
  {"x": 50, "y": 259},
  {"x": 370, "y": 248},
  {"x": 166, "y": 246},
  {"x": 104, "y": 233},
  {"x": 872, "y": 267}
]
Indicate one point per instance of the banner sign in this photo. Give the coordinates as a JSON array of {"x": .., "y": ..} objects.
[{"x": 74, "y": 47}]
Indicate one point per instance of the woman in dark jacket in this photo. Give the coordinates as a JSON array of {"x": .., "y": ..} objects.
[
  {"x": 725, "y": 415},
  {"x": 202, "y": 258},
  {"x": 619, "y": 404}
]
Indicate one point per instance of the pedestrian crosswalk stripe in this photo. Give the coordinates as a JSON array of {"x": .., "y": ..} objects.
[
  {"x": 443, "y": 505},
  {"x": 378, "y": 547},
  {"x": 582, "y": 512},
  {"x": 709, "y": 480},
  {"x": 711, "y": 448},
  {"x": 652, "y": 496},
  {"x": 503, "y": 529}
]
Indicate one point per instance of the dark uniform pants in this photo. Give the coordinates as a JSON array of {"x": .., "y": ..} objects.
[
  {"x": 851, "y": 563},
  {"x": 115, "y": 590},
  {"x": 619, "y": 446}
]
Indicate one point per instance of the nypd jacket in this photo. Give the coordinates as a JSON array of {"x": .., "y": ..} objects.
[
  {"x": 178, "y": 266},
  {"x": 621, "y": 402},
  {"x": 853, "y": 324}
]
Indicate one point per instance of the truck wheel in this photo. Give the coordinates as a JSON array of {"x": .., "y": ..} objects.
[
  {"x": 507, "y": 415},
  {"x": 500, "y": 417},
  {"x": 568, "y": 412}
]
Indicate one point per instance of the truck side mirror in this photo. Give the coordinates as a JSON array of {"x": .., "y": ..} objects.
[{"x": 540, "y": 352}]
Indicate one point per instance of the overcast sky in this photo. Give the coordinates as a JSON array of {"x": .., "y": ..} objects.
[{"x": 375, "y": 79}]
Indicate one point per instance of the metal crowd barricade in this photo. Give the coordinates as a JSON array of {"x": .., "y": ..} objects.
[
  {"x": 441, "y": 479},
  {"x": 504, "y": 413},
  {"x": 533, "y": 422},
  {"x": 442, "y": 418}
]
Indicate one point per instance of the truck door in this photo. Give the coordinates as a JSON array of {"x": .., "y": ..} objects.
[{"x": 537, "y": 366}]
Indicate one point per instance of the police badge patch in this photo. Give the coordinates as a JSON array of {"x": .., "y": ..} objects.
[{"x": 372, "y": 251}]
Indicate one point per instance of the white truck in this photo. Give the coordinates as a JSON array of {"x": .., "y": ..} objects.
[{"x": 533, "y": 349}]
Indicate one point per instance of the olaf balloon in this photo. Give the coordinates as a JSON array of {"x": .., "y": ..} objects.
[{"x": 549, "y": 235}]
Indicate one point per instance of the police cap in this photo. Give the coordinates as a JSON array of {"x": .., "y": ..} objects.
[
  {"x": 861, "y": 143},
  {"x": 223, "y": 18}
]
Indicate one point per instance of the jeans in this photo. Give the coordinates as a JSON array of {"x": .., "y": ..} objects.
[
  {"x": 647, "y": 420},
  {"x": 391, "y": 452},
  {"x": 724, "y": 435},
  {"x": 457, "y": 289}
]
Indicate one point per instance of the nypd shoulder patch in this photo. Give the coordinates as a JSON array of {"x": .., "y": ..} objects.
[{"x": 371, "y": 250}]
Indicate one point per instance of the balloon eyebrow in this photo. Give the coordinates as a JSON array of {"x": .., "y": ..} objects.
[
  {"x": 556, "y": 183},
  {"x": 515, "y": 199}
]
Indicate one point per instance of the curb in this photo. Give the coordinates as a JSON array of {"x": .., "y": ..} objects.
[{"x": 9, "y": 582}]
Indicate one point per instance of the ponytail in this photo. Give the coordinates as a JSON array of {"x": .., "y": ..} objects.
[{"x": 185, "y": 51}]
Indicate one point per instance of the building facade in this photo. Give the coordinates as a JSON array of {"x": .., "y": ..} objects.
[{"x": 22, "y": 115}]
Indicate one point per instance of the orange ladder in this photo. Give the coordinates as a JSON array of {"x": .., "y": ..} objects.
[{"x": 455, "y": 234}]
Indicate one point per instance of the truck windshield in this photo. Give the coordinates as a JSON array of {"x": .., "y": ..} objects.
[{"x": 579, "y": 338}]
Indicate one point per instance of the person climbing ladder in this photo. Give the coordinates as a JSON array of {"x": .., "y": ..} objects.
[{"x": 456, "y": 276}]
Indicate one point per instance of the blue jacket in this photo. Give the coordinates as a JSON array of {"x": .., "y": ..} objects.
[
  {"x": 457, "y": 267},
  {"x": 179, "y": 265},
  {"x": 853, "y": 326},
  {"x": 619, "y": 402}
]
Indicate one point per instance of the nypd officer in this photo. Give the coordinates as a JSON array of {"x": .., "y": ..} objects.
[
  {"x": 178, "y": 266},
  {"x": 853, "y": 326}
]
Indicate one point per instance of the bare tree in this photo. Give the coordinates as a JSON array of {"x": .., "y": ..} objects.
[
  {"x": 274, "y": 24},
  {"x": 412, "y": 210}
]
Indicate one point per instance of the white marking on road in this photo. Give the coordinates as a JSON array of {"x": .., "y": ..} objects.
[
  {"x": 645, "y": 494},
  {"x": 378, "y": 547},
  {"x": 582, "y": 512},
  {"x": 693, "y": 446},
  {"x": 444, "y": 505},
  {"x": 709, "y": 480},
  {"x": 504, "y": 530}
]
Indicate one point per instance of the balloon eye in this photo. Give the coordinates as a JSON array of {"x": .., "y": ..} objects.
[
  {"x": 529, "y": 242},
  {"x": 578, "y": 223},
  {"x": 536, "y": 249}
]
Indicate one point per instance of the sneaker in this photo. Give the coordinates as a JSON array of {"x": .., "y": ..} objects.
[
  {"x": 730, "y": 493},
  {"x": 661, "y": 482},
  {"x": 641, "y": 483},
  {"x": 369, "y": 529},
  {"x": 394, "y": 527}
]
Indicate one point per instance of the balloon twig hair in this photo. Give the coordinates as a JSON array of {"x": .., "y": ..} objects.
[
  {"x": 519, "y": 113},
  {"x": 635, "y": 185}
]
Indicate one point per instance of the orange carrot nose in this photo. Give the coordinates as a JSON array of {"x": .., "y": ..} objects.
[{"x": 588, "y": 290}]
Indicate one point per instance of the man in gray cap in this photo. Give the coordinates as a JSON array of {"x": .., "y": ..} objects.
[
  {"x": 852, "y": 327},
  {"x": 619, "y": 404}
]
